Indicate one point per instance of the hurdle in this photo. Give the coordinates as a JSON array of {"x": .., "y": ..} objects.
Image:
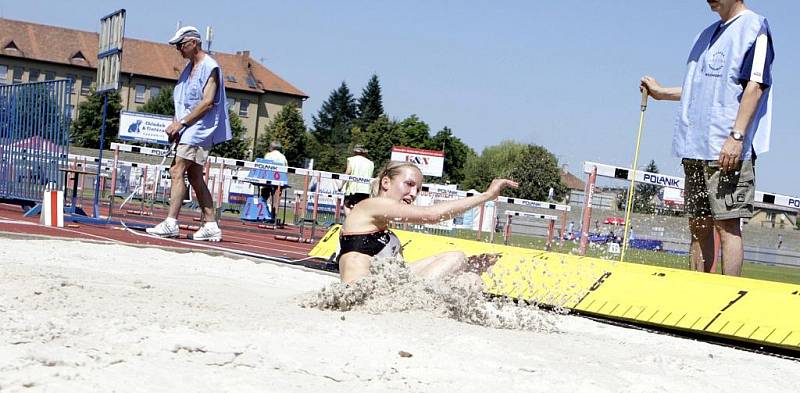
[
  {"x": 305, "y": 197},
  {"x": 551, "y": 221}
]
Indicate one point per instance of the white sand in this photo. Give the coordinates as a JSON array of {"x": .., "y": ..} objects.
[{"x": 81, "y": 317}]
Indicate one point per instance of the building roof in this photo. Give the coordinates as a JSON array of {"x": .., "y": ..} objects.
[
  {"x": 79, "y": 48},
  {"x": 571, "y": 181}
]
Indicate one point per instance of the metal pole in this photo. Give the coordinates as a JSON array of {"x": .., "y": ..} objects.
[
  {"x": 587, "y": 211},
  {"x": 96, "y": 199}
]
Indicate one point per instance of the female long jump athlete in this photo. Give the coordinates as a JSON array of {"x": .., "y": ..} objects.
[{"x": 365, "y": 233}]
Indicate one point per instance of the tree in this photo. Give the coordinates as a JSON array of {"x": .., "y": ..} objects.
[
  {"x": 455, "y": 154},
  {"x": 161, "y": 104},
  {"x": 238, "y": 145},
  {"x": 414, "y": 132},
  {"x": 644, "y": 194},
  {"x": 86, "y": 128},
  {"x": 536, "y": 170},
  {"x": 379, "y": 138},
  {"x": 370, "y": 104},
  {"x": 494, "y": 161},
  {"x": 289, "y": 129},
  {"x": 335, "y": 118}
]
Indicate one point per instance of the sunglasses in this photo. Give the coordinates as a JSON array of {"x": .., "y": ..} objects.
[{"x": 180, "y": 45}]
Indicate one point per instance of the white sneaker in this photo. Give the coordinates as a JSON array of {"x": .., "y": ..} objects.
[
  {"x": 208, "y": 232},
  {"x": 164, "y": 229}
]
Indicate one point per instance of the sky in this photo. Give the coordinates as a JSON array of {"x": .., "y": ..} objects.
[{"x": 561, "y": 74}]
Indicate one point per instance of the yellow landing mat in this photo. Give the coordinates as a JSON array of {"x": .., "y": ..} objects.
[{"x": 741, "y": 309}]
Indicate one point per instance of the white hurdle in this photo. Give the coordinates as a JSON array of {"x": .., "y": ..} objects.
[{"x": 551, "y": 222}]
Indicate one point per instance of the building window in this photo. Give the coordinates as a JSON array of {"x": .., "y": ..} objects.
[
  {"x": 3, "y": 74},
  {"x": 18, "y": 74},
  {"x": 154, "y": 90},
  {"x": 231, "y": 103},
  {"x": 139, "y": 97},
  {"x": 71, "y": 87},
  {"x": 86, "y": 85},
  {"x": 33, "y": 75},
  {"x": 49, "y": 75},
  {"x": 243, "y": 106}
]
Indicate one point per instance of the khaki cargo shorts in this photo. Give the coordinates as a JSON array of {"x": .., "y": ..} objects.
[
  {"x": 710, "y": 192},
  {"x": 192, "y": 153}
]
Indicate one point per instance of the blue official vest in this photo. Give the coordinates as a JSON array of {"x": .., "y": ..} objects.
[
  {"x": 712, "y": 91},
  {"x": 214, "y": 127}
]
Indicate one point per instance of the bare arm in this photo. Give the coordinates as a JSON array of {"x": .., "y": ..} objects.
[
  {"x": 384, "y": 209},
  {"x": 659, "y": 92},
  {"x": 732, "y": 149}
]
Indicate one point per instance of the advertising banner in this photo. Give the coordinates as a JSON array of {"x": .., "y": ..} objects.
[
  {"x": 143, "y": 127},
  {"x": 430, "y": 162}
]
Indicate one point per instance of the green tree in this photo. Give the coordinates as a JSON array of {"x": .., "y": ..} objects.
[
  {"x": 326, "y": 156},
  {"x": 335, "y": 118},
  {"x": 414, "y": 132},
  {"x": 161, "y": 104},
  {"x": 86, "y": 128},
  {"x": 643, "y": 195},
  {"x": 456, "y": 153},
  {"x": 379, "y": 138},
  {"x": 289, "y": 129},
  {"x": 536, "y": 170},
  {"x": 370, "y": 104},
  {"x": 494, "y": 161},
  {"x": 236, "y": 147}
]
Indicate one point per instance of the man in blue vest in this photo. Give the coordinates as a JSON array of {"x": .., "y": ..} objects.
[
  {"x": 201, "y": 121},
  {"x": 724, "y": 122}
]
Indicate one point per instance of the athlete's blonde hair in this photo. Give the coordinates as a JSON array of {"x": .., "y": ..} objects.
[{"x": 390, "y": 170}]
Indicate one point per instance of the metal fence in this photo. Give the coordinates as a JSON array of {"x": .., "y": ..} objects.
[{"x": 34, "y": 139}]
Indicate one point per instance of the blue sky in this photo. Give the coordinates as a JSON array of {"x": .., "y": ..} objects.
[{"x": 562, "y": 74}]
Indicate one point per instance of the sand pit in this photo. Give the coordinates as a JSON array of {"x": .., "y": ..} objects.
[{"x": 82, "y": 317}]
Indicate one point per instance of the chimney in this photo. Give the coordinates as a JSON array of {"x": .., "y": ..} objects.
[{"x": 245, "y": 53}]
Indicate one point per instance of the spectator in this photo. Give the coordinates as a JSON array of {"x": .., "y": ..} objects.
[
  {"x": 357, "y": 165},
  {"x": 269, "y": 191}
]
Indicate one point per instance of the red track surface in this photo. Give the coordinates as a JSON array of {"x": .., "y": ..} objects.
[{"x": 237, "y": 237}]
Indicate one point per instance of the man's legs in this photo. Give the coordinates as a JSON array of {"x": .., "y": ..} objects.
[
  {"x": 178, "y": 186},
  {"x": 730, "y": 237},
  {"x": 195, "y": 175},
  {"x": 701, "y": 251}
]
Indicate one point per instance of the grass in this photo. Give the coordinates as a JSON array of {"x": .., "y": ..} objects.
[{"x": 759, "y": 271}]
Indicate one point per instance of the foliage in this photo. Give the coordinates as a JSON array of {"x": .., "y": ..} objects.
[
  {"x": 643, "y": 197},
  {"x": 86, "y": 128},
  {"x": 494, "y": 161},
  {"x": 537, "y": 170},
  {"x": 414, "y": 132},
  {"x": 238, "y": 145},
  {"x": 335, "y": 118},
  {"x": 370, "y": 104},
  {"x": 161, "y": 104},
  {"x": 289, "y": 129},
  {"x": 456, "y": 153},
  {"x": 379, "y": 138}
]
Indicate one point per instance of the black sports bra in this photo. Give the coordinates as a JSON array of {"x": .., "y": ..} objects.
[{"x": 383, "y": 243}]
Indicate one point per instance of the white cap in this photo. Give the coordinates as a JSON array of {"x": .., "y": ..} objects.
[{"x": 184, "y": 33}]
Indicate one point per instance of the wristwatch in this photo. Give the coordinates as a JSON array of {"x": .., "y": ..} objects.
[
  {"x": 737, "y": 136},
  {"x": 183, "y": 123}
]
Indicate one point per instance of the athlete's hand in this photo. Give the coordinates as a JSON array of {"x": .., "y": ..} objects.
[
  {"x": 730, "y": 154},
  {"x": 498, "y": 185}
]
